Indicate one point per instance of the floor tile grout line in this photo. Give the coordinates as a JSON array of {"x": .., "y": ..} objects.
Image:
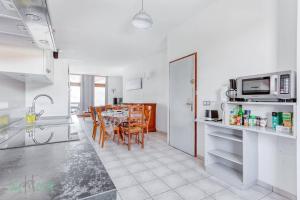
[{"x": 167, "y": 153}]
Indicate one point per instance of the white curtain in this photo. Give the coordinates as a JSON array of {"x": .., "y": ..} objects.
[{"x": 86, "y": 92}]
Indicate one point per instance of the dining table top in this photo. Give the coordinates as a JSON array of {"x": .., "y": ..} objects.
[{"x": 115, "y": 113}]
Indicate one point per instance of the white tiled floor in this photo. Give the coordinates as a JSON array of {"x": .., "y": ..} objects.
[{"x": 160, "y": 172}]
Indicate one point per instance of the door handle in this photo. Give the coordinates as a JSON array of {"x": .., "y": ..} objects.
[{"x": 274, "y": 85}]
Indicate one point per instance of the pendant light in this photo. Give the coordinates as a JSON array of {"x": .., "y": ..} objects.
[{"x": 142, "y": 20}]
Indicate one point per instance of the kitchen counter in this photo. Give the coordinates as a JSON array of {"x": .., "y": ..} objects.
[
  {"x": 65, "y": 170},
  {"x": 268, "y": 131}
]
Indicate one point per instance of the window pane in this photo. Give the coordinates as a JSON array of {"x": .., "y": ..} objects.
[
  {"x": 99, "y": 96},
  {"x": 75, "y": 94},
  {"x": 100, "y": 79},
  {"x": 75, "y": 78}
]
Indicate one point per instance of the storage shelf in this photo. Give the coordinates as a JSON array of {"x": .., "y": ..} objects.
[
  {"x": 257, "y": 129},
  {"x": 223, "y": 172},
  {"x": 227, "y": 136},
  {"x": 262, "y": 103},
  {"x": 227, "y": 156}
]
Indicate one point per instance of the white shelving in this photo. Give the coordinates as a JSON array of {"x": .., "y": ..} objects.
[
  {"x": 262, "y": 103},
  {"x": 224, "y": 172},
  {"x": 232, "y": 157},
  {"x": 227, "y": 136},
  {"x": 231, "y": 154},
  {"x": 268, "y": 131},
  {"x": 264, "y": 109}
]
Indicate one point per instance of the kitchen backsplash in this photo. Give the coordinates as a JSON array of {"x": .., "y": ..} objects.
[{"x": 11, "y": 115}]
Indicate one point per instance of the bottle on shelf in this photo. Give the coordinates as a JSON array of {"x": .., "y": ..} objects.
[
  {"x": 240, "y": 116},
  {"x": 246, "y": 117}
]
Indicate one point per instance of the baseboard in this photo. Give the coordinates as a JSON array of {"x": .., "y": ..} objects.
[
  {"x": 284, "y": 193},
  {"x": 264, "y": 185},
  {"x": 276, "y": 190},
  {"x": 163, "y": 132}
]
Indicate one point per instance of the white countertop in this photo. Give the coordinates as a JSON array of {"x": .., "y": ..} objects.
[{"x": 268, "y": 131}]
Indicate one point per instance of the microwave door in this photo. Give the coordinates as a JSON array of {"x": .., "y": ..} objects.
[{"x": 256, "y": 86}]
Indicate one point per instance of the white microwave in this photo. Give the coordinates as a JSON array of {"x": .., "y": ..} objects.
[{"x": 273, "y": 86}]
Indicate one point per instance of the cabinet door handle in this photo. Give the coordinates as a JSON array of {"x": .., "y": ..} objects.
[{"x": 48, "y": 71}]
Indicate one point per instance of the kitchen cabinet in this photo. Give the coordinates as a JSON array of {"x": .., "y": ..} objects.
[{"x": 27, "y": 64}]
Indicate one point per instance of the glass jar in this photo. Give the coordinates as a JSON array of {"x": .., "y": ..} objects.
[{"x": 263, "y": 121}]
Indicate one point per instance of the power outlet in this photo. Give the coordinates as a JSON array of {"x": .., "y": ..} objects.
[{"x": 206, "y": 103}]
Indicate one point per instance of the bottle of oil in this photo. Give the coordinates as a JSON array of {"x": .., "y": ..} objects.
[{"x": 30, "y": 116}]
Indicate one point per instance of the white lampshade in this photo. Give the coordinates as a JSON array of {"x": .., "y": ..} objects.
[{"x": 142, "y": 20}]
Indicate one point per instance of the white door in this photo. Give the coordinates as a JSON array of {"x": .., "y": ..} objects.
[{"x": 182, "y": 104}]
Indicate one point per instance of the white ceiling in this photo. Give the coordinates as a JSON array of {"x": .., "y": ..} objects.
[{"x": 99, "y": 32}]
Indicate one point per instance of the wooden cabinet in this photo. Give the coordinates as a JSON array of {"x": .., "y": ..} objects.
[{"x": 152, "y": 124}]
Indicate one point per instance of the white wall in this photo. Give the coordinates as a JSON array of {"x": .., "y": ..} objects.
[
  {"x": 12, "y": 93},
  {"x": 154, "y": 71},
  {"x": 114, "y": 88},
  {"x": 84, "y": 68},
  {"x": 234, "y": 38},
  {"x": 59, "y": 91},
  {"x": 298, "y": 104}
]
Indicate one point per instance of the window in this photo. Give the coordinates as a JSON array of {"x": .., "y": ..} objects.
[
  {"x": 99, "y": 91},
  {"x": 75, "y": 81}
]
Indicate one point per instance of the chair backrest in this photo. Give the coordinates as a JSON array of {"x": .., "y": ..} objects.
[
  {"x": 118, "y": 107},
  {"x": 93, "y": 114},
  {"x": 136, "y": 115},
  {"x": 100, "y": 117},
  {"x": 148, "y": 111},
  {"x": 108, "y": 107}
]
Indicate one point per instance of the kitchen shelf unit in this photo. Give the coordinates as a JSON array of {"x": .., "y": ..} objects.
[
  {"x": 262, "y": 103},
  {"x": 264, "y": 109},
  {"x": 232, "y": 137},
  {"x": 231, "y": 154},
  {"x": 232, "y": 157}
]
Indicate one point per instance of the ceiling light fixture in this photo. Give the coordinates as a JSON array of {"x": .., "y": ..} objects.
[{"x": 142, "y": 20}]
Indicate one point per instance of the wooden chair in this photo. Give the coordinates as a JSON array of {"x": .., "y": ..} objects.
[
  {"x": 104, "y": 134},
  {"x": 117, "y": 107},
  {"x": 95, "y": 121},
  {"x": 134, "y": 127},
  {"x": 108, "y": 107}
]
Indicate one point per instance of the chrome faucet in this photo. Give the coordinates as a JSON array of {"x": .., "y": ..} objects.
[{"x": 38, "y": 115}]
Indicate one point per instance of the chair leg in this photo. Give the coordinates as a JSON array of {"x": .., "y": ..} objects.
[
  {"x": 123, "y": 136},
  {"x": 114, "y": 136},
  {"x": 143, "y": 139},
  {"x": 118, "y": 132},
  {"x": 136, "y": 139},
  {"x": 103, "y": 139},
  {"x": 94, "y": 131},
  {"x": 129, "y": 141},
  {"x": 100, "y": 136}
]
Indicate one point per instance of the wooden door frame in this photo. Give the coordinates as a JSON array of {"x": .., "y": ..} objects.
[{"x": 195, "y": 54}]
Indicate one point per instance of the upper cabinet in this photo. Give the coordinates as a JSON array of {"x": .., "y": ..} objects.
[{"x": 27, "y": 64}]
